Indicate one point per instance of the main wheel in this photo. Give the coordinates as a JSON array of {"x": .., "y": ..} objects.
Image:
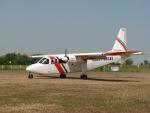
[
  {"x": 83, "y": 76},
  {"x": 62, "y": 75},
  {"x": 30, "y": 76}
]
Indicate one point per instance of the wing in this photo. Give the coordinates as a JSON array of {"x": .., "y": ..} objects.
[
  {"x": 103, "y": 55},
  {"x": 90, "y": 56},
  {"x": 38, "y": 56},
  {"x": 98, "y": 56}
]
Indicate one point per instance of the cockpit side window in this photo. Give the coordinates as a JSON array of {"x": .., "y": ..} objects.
[
  {"x": 41, "y": 60},
  {"x": 53, "y": 61},
  {"x": 46, "y": 61}
]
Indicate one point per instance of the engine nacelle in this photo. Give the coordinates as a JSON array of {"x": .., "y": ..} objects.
[{"x": 64, "y": 60}]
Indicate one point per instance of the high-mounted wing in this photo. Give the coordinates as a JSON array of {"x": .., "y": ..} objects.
[
  {"x": 38, "y": 56},
  {"x": 90, "y": 56}
]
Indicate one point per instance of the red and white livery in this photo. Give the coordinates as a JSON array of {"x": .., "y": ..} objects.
[{"x": 81, "y": 62}]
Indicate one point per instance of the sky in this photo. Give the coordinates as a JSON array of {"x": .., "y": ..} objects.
[{"x": 50, "y": 26}]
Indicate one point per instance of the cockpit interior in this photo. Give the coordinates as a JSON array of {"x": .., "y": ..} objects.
[{"x": 44, "y": 61}]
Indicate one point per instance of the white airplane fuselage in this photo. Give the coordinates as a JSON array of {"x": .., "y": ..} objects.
[
  {"x": 71, "y": 66},
  {"x": 82, "y": 62}
]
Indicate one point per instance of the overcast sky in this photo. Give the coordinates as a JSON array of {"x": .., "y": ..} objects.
[{"x": 50, "y": 26}]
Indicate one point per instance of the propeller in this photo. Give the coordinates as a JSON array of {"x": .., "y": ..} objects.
[
  {"x": 66, "y": 56},
  {"x": 65, "y": 59},
  {"x": 66, "y": 53}
]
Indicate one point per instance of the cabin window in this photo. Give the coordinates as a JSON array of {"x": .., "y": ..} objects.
[
  {"x": 108, "y": 58},
  {"x": 54, "y": 61}
]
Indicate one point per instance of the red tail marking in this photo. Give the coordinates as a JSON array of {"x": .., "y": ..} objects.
[{"x": 123, "y": 45}]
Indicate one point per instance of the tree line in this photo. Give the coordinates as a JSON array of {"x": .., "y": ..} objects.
[{"x": 16, "y": 59}]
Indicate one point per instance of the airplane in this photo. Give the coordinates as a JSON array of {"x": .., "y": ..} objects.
[{"x": 82, "y": 62}]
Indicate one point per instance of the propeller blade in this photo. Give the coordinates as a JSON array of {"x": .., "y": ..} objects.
[{"x": 65, "y": 52}]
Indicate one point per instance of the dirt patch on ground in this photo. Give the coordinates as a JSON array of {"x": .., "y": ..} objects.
[{"x": 100, "y": 93}]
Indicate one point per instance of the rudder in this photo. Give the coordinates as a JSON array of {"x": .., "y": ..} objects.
[{"x": 121, "y": 41}]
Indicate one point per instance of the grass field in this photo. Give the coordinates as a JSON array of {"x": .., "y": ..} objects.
[{"x": 101, "y": 93}]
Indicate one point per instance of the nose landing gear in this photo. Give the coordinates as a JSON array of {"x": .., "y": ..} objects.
[{"x": 30, "y": 76}]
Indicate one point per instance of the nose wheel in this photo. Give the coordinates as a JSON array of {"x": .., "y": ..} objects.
[{"x": 30, "y": 76}]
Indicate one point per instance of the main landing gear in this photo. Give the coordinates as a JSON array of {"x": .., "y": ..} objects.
[
  {"x": 30, "y": 76},
  {"x": 83, "y": 76},
  {"x": 62, "y": 75},
  {"x": 84, "y": 69}
]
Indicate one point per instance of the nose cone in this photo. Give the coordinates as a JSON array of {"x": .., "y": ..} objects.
[
  {"x": 38, "y": 68},
  {"x": 29, "y": 68},
  {"x": 32, "y": 68}
]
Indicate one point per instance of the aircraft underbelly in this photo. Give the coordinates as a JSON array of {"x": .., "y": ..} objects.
[
  {"x": 74, "y": 67},
  {"x": 95, "y": 64}
]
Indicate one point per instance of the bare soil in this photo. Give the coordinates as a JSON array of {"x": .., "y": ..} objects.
[{"x": 100, "y": 93}]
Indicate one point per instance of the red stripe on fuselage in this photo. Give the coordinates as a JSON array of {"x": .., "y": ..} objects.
[
  {"x": 123, "y": 45},
  {"x": 59, "y": 68},
  {"x": 58, "y": 65}
]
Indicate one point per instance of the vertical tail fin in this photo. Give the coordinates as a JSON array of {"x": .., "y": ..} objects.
[
  {"x": 120, "y": 46},
  {"x": 121, "y": 41}
]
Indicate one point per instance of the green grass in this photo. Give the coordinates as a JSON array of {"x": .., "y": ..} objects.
[
  {"x": 132, "y": 68},
  {"x": 13, "y": 67},
  {"x": 135, "y": 68}
]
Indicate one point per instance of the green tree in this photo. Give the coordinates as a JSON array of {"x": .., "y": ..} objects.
[
  {"x": 129, "y": 62},
  {"x": 146, "y": 62},
  {"x": 16, "y": 59}
]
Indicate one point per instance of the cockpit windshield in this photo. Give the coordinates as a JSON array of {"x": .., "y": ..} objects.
[
  {"x": 44, "y": 61},
  {"x": 41, "y": 60}
]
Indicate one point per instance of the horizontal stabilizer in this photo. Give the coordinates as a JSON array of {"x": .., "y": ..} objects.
[{"x": 126, "y": 53}]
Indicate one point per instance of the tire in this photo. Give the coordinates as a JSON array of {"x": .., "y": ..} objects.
[
  {"x": 30, "y": 76},
  {"x": 62, "y": 75},
  {"x": 83, "y": 76}
]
